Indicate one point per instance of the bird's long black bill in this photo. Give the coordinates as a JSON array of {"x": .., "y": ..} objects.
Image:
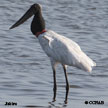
[{"x": 26, "y": 16}]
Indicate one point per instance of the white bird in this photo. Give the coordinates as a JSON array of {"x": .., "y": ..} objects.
[{"x": 58, "y": 48}]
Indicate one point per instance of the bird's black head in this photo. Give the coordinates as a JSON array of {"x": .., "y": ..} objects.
[{"x": 38, "y": 23}]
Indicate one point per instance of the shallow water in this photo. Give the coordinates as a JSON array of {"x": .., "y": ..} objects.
[{"x": 25, "y": 71}]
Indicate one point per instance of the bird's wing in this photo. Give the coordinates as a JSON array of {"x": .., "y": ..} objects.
[
  {"x": 63, "y": 49},
  {"x": 68, "y": 52}
]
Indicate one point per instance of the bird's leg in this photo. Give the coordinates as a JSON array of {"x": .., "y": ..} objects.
[
  {"x": 55, "y": 85},
  {"x": 53, "y": 63},
  {"x": 67, "y": 84}
]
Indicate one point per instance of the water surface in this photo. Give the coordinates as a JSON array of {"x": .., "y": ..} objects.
[{"x": 25, "y": 72}]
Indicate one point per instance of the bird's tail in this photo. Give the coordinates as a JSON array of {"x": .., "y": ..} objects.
[{"x": 86, "y": 63}]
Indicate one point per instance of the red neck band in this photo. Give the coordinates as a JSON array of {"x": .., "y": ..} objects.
[{"x": 38, "y": 33}]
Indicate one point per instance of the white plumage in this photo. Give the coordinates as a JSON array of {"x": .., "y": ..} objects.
[{"x": 65, "y": 51}]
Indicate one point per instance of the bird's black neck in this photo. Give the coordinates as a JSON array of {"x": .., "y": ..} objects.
[{"x": 38, "y": 23}]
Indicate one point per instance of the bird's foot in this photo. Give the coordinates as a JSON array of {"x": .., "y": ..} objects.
[
  {"x": 53, "y": 100},
  {"x": 65, "y": 101}
]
